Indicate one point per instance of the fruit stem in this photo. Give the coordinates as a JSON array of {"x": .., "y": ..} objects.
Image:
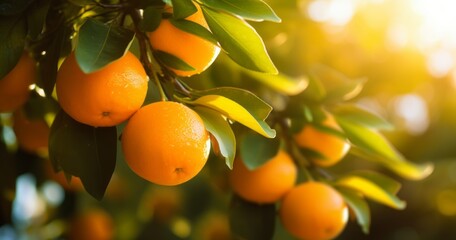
[{"x": 143, "y": 46}]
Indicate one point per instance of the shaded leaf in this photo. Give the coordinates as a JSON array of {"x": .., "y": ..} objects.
[
  {"x": 355, "y": 114},
  {"x": 13, "y": 7},
  {"x": 256, "y": 150},
  {"x": 194, "y": 28},
  {"x": 173, "y": 61},
  {"x": 371, "y": 190},
  {"x": 100, "y": 44},
  {"x": 239, "y": 40},
  {"x": 255, "y": 10},
  {"x": 236, "y": 112},
  {"x": 359, "y": 207},
  {"x": 183, "y": 8},
  {"x": 151, "y": 19},
  {"x": 37, "y": 17},
  {"x": 12, "y": 36},
  {"x": 83, "y": 151},
  {"x": 250, "y": 220},
  {"x": 221, "y": 130}
]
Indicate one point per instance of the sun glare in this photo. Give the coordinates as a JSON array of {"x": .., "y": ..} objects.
[{"x": 429, "y": 26}]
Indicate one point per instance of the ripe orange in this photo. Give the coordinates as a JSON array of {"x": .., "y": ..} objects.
[
  {"x": 14, "y": 87},
  {"x": 314, "y": 211},
  {"x": 94, "y": 224},
  {"x": 267, "y": 183},
  {"x": 103, "y": 98},
  {"x": 332, "y": 147},
  {"x": 166, "y": 143},
  {"x": 31, "y": 135},
  {"x": 192, "y": 49}
]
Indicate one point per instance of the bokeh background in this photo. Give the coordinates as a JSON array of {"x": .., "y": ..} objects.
[{"x": 405, "y": 49}]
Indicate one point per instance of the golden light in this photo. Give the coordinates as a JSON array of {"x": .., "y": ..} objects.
[{"x": 429, "y": 26}]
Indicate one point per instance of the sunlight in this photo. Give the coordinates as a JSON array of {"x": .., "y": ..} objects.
[{"x": 434, "y": 33}]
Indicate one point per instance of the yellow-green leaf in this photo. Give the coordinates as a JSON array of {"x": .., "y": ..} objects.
[
  {"x": 236, "y": 112},
  {"x": 374, "y": 146},
  {"x": 371, "y": 190},
  {"x": 221, "y": 130},
  {"x": 358, "y": 206},
  {"x": 280, "y": 82}
]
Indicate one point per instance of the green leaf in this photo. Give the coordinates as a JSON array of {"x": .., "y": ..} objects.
[
  {"x": 100, "y": 44},
  {"x": 247, "y": 99},
  {"x": 151, "y": 19},
  {"x": 338, "y": 87},
  {"x": 239, "y": 40},
  {"x": 173, "y": 61},
  {"x": 256, "y": 150},
  {"x": 183, "y": 8},
  {"x": 12, "y": 36},
  {"x": 346, "y": 91},
  {"x": 250, "y": 220},
  {"x": 83, "y": 151},
  {"x": 194, "y": 28},
  {"x": 236, "y": 112},
  {"x": 279, "y": 82},
  {"x": 37, "y": 17},
  {"x": 13, "y": 7},
  {"x": 255, "y": 10},
  {"x": 373, "y": 146},
  {"x": 315, "y": 90},
  {"x": 359, "y": 206},
  {"x": 371, "y": 190},
  {"x": 221, "y": 130},
  {"x": 355, "y": 114}
]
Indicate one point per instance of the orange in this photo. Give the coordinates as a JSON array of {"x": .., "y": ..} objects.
[
  {"x": 192, "y": 49},
  {"x": 314, "y": 211},
  {"x": 333, "y": 148},
  {"x": 166, "y": 143},
  {"x": 32, "y": 135},
  {"x": 94, "y": 224},
  {"x": 267, "y": 183},
  {"x": 14, "y": 87},
  {"x": 103, "y": 98}
]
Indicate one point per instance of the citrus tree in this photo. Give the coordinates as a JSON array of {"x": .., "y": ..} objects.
[{"x": 87, "y": 83}]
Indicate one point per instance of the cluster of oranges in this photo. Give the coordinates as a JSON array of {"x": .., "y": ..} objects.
[
  {"x": 309, "y": 210},
  {"x": 167, "y": 143},
  {"x": 158, "y": 138},
  {"x": 163, "y": 142}
]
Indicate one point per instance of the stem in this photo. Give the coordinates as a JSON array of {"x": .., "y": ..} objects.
[
  {"x": 182, "y": 87},
  {"x": 144, "y": 45}
]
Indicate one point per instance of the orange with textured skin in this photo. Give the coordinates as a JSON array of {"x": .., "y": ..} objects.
[
  {"x": 166, "y": 143},
  {"x": 103, "y": 98},
  {"x": 31, "y": 134},
  {"x": 332, "y": 147},
  {"x": 14, "y": 87},
  {"x": 192, "y": 49},
  {"x": 314, "y": 211},
  {"x": 267, "y": 183}
]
